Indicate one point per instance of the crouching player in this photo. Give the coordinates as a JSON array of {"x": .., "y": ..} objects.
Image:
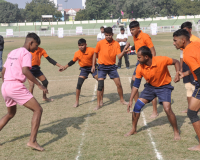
[
  {"x": 155, "y": 72},
  {"x": 192, "y": 59},
  {"x": 35, "y": 70},
  {"x": 84, "y": 55},
  {"x": 16, "y": 69},
  {"x": 107, "y": 50}
]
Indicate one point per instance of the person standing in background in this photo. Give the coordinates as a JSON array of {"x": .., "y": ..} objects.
[
  {"x": 122, "y": 39},
  {"x": 101, "y": 35},
  {"x": 1, "y": 53}
]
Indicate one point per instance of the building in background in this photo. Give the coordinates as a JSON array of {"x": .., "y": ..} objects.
[
  {"x": 55, "y": 2},
  {"x": 83, "y": 3},
  {"x": 71, "y": 13}
]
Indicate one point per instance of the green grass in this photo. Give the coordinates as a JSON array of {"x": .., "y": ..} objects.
[{"x": 62, "y": 126}]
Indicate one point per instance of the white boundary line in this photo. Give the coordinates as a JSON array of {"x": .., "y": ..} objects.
[
  {"x": 158, "y": 154},
  {"x": 86, "y": 123}
]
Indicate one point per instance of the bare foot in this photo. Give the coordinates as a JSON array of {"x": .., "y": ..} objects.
[
  {"x": 97, "y": 108},
  {"x": 48, "y": 99},
  {"x": 35, "y": 146},
  {"x": 124, "y": 102},
  {"x": 177, "y": 137},
  {"x": 154, "y": 115},
  {"x": 76, "y": 105},
  {"x": 195, "y": 148},
  {"x": 130, "y": 133},
  {"x": 185, "y": 111}
]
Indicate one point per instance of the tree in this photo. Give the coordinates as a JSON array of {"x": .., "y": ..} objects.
[
  {"x": 9, "y": 12},
  {"x": 36, "y": 8},
  {"x": 81, "y": 15}
]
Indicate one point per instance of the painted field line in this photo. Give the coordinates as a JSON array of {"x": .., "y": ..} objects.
[
  {"x": 158, "y": 154},
  {"x": 86, "y": 123}
]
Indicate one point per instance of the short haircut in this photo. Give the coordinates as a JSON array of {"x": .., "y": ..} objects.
[
  {"x": 182, "y": 32},
  {"x": 108, "y": 30},
  {"x": 134, "y": 24},
  {"x": 35, "y": 37},
  {"x": 102, "y": 27},
  {"x": 186, "y": 25},
  {"x": 81, "y": 41},
  {"x": 122, "y": 29},
  {"x": 145, "y": 51}
]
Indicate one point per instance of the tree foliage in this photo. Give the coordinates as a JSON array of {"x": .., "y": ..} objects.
[{"x": 9, "y": 12}]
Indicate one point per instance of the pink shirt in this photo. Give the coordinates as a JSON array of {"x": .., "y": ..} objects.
[{"x": 16, "y": 60}]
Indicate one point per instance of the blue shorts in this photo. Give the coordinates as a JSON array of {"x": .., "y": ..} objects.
[
  {"x": 134, "y": 73},
  {"x": 111, "y": 70},
  {"x": 35, "y": 70},
  {"x": 163, "y": 93},
  {"x": 85, "y": 71},
  {"x": 196, "y": 93}
]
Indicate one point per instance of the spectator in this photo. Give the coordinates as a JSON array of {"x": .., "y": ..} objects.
[{"x": 101, "y": 35}]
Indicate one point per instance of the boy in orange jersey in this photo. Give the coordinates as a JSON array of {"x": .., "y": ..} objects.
[
  {"x": 142, "y": 39},
  {"x": 155, "y": 72},
  {"x": 188, "y": 80},
  {"x": 35, "y": 70},
  {"x": 191, "y": 57},
  {"x": 84, "y": 56},
  {"x": 107, "y": 50}
]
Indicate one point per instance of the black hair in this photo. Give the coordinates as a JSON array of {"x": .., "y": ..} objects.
[
  {"x": 122, "y": 29},
  {"x": 108, "y": 30},
  {"x": 81, "y": 41},
  {"x": 182, "y": 32},
  {"x": 35, "y": 37},
  {"x": 102, "y": 27},
  {"x": 134, "y": 24},
  {"x": 186, "y": 25},
  {"x": 145, "y": 51}
]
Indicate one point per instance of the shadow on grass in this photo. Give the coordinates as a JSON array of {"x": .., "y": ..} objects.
[{"x": 59, "y": 128}]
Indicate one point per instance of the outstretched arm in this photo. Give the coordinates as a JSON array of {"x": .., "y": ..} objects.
[
  {"x": 62, "y": 68},
  {"x": 176, "y": 63}
]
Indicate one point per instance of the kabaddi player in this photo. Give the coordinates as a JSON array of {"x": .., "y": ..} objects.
[
  {"x": 192, "y": 59},
  {"x": 107, "y": 50},
  {"x": 154, "y": 70},
  {"x": 84, "y": 55},
  {"x": 188, "y": 80},
  {"x": 35, "y": 70},
  {"x": 15, "y": 71},
  {"x": 142, "y": 39}
]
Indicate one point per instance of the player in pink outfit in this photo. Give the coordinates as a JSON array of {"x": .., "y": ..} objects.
[{"x": 15, "y": 71}]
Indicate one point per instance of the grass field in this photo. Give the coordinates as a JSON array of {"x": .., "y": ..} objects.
[{"x": 81, "y": 133}]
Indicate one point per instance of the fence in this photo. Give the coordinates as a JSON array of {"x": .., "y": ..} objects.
[{"x": 160, "y": 29}]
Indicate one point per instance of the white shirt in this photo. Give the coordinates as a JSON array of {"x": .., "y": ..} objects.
[
  {"x": 122, "y": 36},
  {"x": 100, "y": 36}
]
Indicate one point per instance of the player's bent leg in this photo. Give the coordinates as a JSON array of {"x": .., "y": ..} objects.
[
  {"x": 99, "y": 92},
  {"x": 120, "y": 90},
  {"x": 194, "y": 118},
  {"x": 135, "y": 115},
  {"x": 81, "y": 79},
  {"x": 101, "y": 99},
  {"x": 172, "y": 119},
  {"x": 10, "y": 114},
  {"x": 155, "y": 112},
  {"x": 189, "y": 91},
  {"x": 31, "y": 86},
  {"x": 33, "y": 105}
]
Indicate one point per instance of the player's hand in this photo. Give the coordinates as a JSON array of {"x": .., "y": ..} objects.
[
  {"x": 126, "y": 48},
  {"x": 177, "y": 77},
  {"x": 93, "y": 69},
  {"x": 129, "y": 106},
  {"x": 62, "y": 68},
  {"x": 44, "y": 89},
  {"x": 181, "y": 75}
]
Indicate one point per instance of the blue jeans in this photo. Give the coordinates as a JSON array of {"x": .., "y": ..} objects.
[{"x": 1, "y": 61}]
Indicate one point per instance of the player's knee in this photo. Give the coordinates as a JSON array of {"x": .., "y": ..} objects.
[
  {"x": 167, "y": 110},
  {"x": 45, "y": 83},
  {"x": 80, "y": 83},
  {"x": 100, "y": 85},
  {"x": 132, "y": 82},
  {"x": 119, "y": 85},
  {"x": 193, "y": 116},
  {"x": 138, "y": 106},
  {"x": 11, "y": 115}
]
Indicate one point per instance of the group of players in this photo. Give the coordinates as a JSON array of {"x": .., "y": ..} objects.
[{"x": 24, "y": 63}]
